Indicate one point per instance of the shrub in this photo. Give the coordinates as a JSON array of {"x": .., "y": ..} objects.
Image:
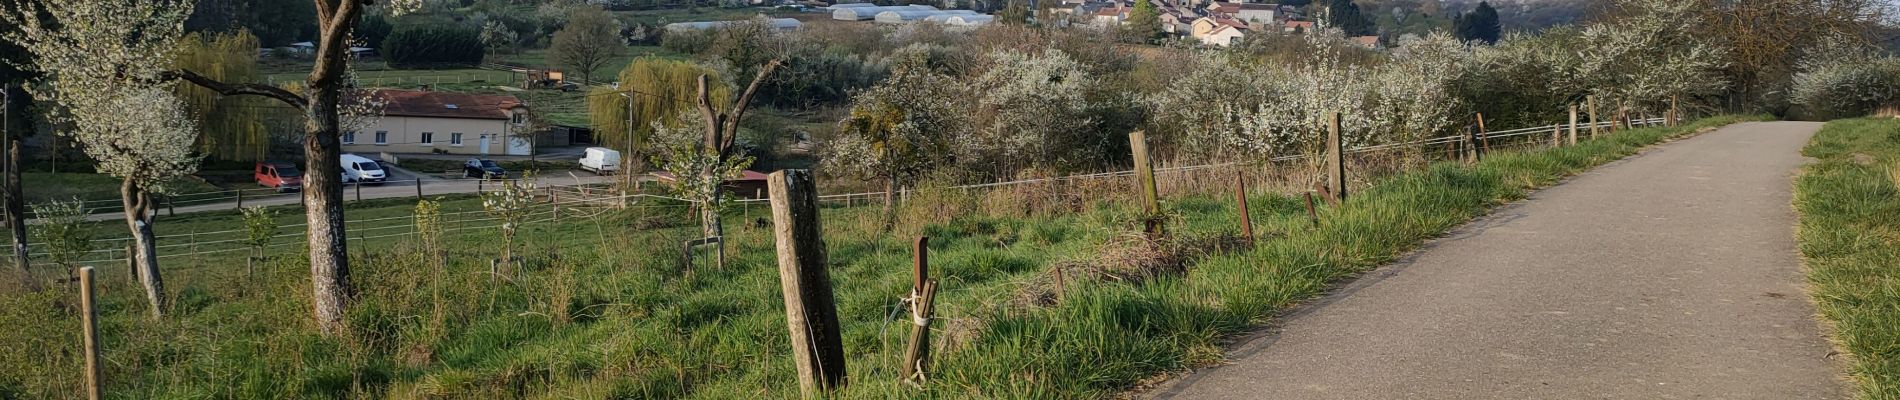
[{"x": 414, "y": 46}]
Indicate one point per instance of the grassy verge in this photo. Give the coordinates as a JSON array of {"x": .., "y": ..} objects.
[
  {"x": 1850, "y": 236},
  {"x": 602, "y": 309},
  {"x": 44, "y": 186}
]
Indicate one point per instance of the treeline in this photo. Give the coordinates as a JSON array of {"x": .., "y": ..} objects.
[{"x": 1009, "y": 101}]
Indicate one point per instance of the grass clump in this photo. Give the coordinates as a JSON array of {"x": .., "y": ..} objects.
[{"x": 1850, "y": 237}]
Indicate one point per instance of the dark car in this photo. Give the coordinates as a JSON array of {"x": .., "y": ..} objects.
[{"x": 485, "y": 169}]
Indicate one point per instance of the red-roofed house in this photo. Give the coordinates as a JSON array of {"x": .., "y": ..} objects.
[
  {"x": 416, "y": 121},
  {"x": 1109, "y": 17},
  {"x": 1298, "y": 27},
  {"x": 1370, "y": 42}
]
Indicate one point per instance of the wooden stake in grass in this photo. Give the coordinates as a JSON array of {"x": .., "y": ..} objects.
[
  {"x": 1573, "y": 124},
  {"x": 1593, "y": 115},
  {"x": 1335, "y": 160},
  {"x": 918, "y": 353},
  {"x": 1240, "y": 201},
  {"x": 88, "y": 316},
  {"x": 1145, "y": 177},
  {"x": 923, "y": 294},
  {"x": 1675, "y": 114},
  {"x": 1311, "y": 214},
  {"x": 1483, "y": 136},
  {"x": 811, "y": 312}
]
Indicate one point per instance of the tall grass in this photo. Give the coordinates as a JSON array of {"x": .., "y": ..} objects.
[
  {"x": 1850, "y": 236},
  {"x": 602, "y": 310}
]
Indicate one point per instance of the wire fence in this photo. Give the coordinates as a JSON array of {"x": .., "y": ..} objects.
[{"x": 579, "y": 195}]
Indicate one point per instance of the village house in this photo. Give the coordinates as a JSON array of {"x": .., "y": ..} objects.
[
  {"x": 1297, "y": 27},
  {"x": 416, "y": 121},
  {"x": 1219, "y": 30},
  {"x": 1370, "y": 42},
  {"x": 1252, "y": 13}
]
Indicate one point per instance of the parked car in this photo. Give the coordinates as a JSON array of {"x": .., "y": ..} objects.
[
  {"x": 359, "y": 169},
  {"x": 280, "y": 175},
  {"x": 601, "y": 160},
  {"x": 485, "y": 169}
]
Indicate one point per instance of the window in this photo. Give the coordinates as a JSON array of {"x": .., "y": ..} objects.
[
  {"x": 428, "y": 138},
  {"x": 349, "y": 137},
  {"x": 382, "y": 137},
  {"x": 518, "y": 118},
  {"x": 455, "y": 139}
]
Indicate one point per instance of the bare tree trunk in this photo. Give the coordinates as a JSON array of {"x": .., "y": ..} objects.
[
  {"x": 322, "y": 189},
  {"x": 138, "y": 217},
  {"x": 323, "y": 211},
  {"x": 16, "y": 125},
  {"x": 16, "y": 216}
]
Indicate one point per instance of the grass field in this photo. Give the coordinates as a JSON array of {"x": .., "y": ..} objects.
[
  {"x": 45, "y": 186},
  {"x": 603, "y": 310},
  {"x": 1850, "y": 236}
]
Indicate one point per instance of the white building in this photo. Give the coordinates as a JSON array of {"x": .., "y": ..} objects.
[
  {"x": 903, "y": 16},
  {"x": 781, "y": 24},
  {"x": 862, "y": 13},
  {"x": 417, "y": 121}
]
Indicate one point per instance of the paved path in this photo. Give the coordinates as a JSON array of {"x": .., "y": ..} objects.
[{"x": 1670, "y": 275}]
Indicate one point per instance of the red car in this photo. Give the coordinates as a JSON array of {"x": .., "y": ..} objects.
[{"x": 281, "y": 175}]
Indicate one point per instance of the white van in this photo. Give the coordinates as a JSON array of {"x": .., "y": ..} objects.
[
  {"x": 359, "y": 169},
  {"x": 601, "y": 160}
]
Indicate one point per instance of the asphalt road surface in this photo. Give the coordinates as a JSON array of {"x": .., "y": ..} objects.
[{"x": 1669, "y": 275}]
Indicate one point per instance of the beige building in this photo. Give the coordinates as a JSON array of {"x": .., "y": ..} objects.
[{"x": 417, "y": 121}]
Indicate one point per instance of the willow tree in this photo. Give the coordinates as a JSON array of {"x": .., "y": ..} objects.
[
  {"x": 660, "y": 91},
  {"x": 233, "y": 128},
  {"x": 116, "y": 99}
]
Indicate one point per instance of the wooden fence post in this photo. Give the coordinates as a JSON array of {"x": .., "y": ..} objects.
[
  {"x": 1556, "y": 135},
  {"x": 1675, "y": 114},
  {"x": 419, "y": 189},
  {"x": 1240, "y": 201},
  {"x": 131, "y": 263},
  {"x": 240, "y": 199},
  {"x": 1483, "y": 135},
  {"x": 1593, "y": 115},
  {"x": 810, "y": 311},
  {"x": 1573, "y": 124},
  {"x": 1145, "y": 178},
  {"x": 359, "y": 191},
  {"x": 923, "y": 295},
  {"x": 1472, "y": 153},
  {"x": 1335, "y": 160},
  {"x": 88, "y": 315}
]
